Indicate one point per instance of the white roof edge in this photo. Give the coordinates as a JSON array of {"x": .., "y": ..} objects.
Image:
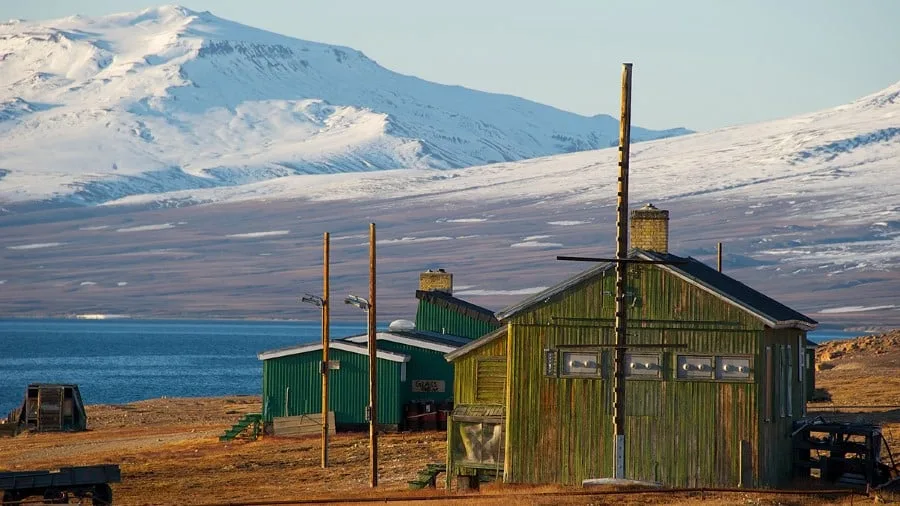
[
  {"x": 793, "y": 324},
  {"x": 394, "y": 338},
  {"x": 343, "y": 346}
]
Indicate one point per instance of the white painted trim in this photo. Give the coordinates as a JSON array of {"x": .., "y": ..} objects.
[
  {"x": 409, "y": 341},
  {"x": 340, "y": 345}
]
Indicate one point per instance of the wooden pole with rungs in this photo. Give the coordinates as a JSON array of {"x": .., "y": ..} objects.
[
  {"x": 373, "y": 364},
  {"x": 622, "y": 272},
  {"x": 326, "y": 317}
]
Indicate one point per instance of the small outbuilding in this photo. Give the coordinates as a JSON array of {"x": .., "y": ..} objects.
[
  {"x": 717, "y": 375},
  {"x": 51, "y": 407},
  {"x": 415, "y": 383}
]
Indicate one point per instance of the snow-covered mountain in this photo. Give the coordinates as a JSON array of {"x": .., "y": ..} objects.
[
  {"x": 808, "y": 209},
  {"x": 167, "y": 98}
]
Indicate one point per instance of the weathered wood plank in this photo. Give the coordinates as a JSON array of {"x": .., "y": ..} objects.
[{"x": 302, "y": 425}]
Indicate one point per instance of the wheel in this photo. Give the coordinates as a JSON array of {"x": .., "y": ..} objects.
[
  {"x": 102, "y": 495},
  {"x": 9, "y": 497}
]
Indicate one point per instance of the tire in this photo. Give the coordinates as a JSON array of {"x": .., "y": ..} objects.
[{"x": 102, "y": 495}]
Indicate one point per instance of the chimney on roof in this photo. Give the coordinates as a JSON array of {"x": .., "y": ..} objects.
[
  {"x": 436, "y": 281},
  {"x": 650, "y": 229}
]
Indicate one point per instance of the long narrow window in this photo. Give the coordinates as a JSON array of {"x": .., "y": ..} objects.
[
  {"x": 779, "y": 379},
  {"x": 789, "y": 381},
  {"x": 770, "y": 370}
]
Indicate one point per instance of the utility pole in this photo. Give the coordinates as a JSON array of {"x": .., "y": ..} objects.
[
  {"x": 622, "y": 272},
  {"x": 326, "y": 308},
  {"x": 373, "y": 364}
]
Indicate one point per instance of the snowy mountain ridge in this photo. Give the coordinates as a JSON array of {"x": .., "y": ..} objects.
[{"x": 93, "y": 109}]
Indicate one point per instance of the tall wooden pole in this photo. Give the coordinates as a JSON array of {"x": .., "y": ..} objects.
[
  {"x": 622, "y": 271},
  {"x": 373, "y": 363},
  {"x": 719, "y": 256},
  {"x": 326, "y": 308}
]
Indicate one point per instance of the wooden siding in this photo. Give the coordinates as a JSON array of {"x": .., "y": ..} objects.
[
  {"x": 434, "y": 318},
  {"x": 786, "y": 403},
  {"x": 490, "y": 380},
  {"x": 465, "y": 369},
  {"x": 679, "y": 432}
]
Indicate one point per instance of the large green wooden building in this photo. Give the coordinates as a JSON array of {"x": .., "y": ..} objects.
[
  {"x": 410, "y": 358},
  {"x": 534, "y": 399}
]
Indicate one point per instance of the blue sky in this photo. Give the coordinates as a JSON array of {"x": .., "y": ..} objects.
[{"x": 699, "y": 63}]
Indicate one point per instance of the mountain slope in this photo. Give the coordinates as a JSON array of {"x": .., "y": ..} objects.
[{"x": 167, "y": 98}]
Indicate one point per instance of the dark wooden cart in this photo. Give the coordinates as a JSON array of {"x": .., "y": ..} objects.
[{"x": 58, "y": 486}]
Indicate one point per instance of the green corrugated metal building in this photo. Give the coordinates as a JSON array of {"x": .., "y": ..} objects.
[
  {"x": 292, "y": 382},
  {"x": 443, "y": 313},
  {"x": 411, "y": 365},
  {"x": 716, "y": 411}
]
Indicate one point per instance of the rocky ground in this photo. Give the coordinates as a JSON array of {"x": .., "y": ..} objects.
[{"x": 169, "y": 452}]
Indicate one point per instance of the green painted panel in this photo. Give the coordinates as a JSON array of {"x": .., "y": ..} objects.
[
  {"x": 433, "y": 318},
  {"x": 423, "y": 365},
  {"x": 292, "y": 385},
  {"x": 465, "y": 369},
  {"x": 490, "y": 380}
]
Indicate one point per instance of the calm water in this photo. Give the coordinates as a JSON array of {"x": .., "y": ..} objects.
[{"x": 127, "y": 360}]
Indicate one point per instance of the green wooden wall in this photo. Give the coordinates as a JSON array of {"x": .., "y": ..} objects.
[
  {"x": 434, "y": 318},
  {"x": 298, "y": 378},
  {"x": 466, "y": 367},
  {"x": 679, "y": 432}
]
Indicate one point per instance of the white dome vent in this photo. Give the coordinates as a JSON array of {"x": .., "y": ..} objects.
[{"x": 402, "y": 325}]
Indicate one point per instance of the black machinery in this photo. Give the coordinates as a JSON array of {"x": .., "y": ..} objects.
[
  {"x": 59, "y": 485},
  {"x": 846, "y": 454}
]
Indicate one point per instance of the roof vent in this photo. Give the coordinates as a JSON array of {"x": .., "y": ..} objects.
[{"x": 402, "y": 325}]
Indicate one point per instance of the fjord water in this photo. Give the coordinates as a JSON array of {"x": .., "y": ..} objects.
[{"x": 117, "y": 361}]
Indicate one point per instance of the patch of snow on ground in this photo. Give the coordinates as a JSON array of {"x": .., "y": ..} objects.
[
  {"x": 536, "y": 237},
  {"x": 467, "y": 220},
  {"x": 855, "y": 309},
  {"x": 567, "y": 223},
  {"x": 87, "y": 283},
  {"x": 536, "y": 244},
  {"x": 521, "y": 291},
  {"x": 96, "y": 227},
  {"x": 406, "y": 240},
  {"x": 146, "y": 228},
  {"x": 254, "y": 235},
  {"x": 39, "y": 245},
  {"x": 122, "y": 283}
]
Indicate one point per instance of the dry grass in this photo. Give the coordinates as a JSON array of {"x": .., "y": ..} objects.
[{"x": 169, "y": 452}]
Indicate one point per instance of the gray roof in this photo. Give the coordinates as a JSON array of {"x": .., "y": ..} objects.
[
  {"x": 416, "y": 338},
  {"x": 770, "y": 311},
  {"x": 465, "y": 308}
]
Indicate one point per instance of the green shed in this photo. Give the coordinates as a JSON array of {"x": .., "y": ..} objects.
[
  {"x": 715, "y": 411},
  {"x": 292, "y": 382}
]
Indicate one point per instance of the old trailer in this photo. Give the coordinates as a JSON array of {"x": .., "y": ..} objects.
[{"x": 60, "y": 485}]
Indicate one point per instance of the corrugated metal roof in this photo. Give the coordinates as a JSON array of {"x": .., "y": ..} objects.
[
  {"x": 340, "y": 344},
  {"x": 443, "y": 343},
  {"x": 443, "y": 299},
  {"x": 770, "y": 311},
  {"x": 478, "y": 343}
]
